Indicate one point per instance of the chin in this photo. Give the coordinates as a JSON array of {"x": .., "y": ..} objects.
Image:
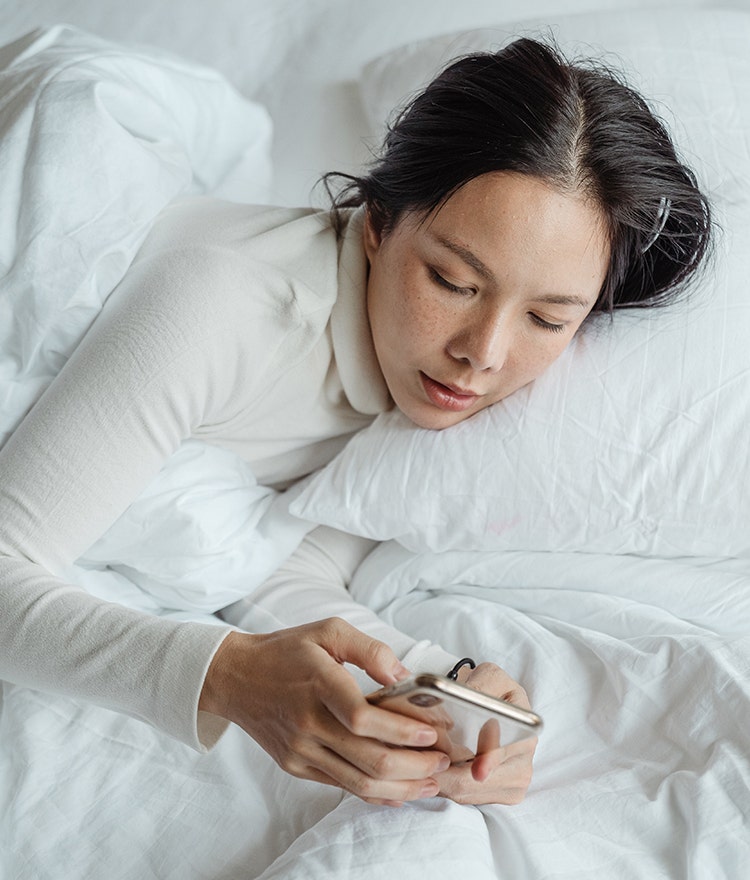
[{"x": 434, "y": 419}]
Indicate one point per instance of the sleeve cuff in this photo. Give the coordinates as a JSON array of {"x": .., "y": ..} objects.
[
  {"x": 427, "y": 657},
  {"x": 195, "y": 644}
]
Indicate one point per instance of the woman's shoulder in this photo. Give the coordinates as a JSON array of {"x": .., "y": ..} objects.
[
  {"x": 239, "y": 246},
  {"x": 214, "y": 269},
  {"x": 264, "y": 232}
]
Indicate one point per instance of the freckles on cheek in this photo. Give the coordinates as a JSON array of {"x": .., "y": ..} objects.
[
  {"x": 410, "y": 310},
  {"x": 553, "y": 354},
  {"x": 538, "y": 362},
  {"x": 433, "y": 308}
]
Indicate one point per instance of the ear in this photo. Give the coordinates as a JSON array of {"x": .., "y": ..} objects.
[{"x": 371, "y": 238}]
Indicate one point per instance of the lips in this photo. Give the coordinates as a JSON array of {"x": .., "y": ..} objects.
[{"x": 448, "y": 397}]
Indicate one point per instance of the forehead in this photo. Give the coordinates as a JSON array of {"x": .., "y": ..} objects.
[
  {"x": 506, "y": 196},
  {"x": 518, "y": 227}
]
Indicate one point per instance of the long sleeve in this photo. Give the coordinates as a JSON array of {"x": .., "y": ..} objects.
[
  {"x": 312, "y": 585},
  {"x": 220, "y": 331},
  {"x": 157, "y": 364}
]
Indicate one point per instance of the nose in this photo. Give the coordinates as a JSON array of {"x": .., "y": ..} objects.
[{"x": 484, "y": 343}]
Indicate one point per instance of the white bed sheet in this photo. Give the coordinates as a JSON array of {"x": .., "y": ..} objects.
[
  {"x": 633, "y": 778},
  {"x": 642, "y": 771}
]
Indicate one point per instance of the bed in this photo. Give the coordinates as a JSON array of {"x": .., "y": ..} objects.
[{"x": 589, "y": 534}]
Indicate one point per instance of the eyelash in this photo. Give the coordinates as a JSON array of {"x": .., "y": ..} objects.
[
  {"x": 546, "y": 325},
  {"x": 438, "y": 279},
  {"x": 466, "y": 291}
]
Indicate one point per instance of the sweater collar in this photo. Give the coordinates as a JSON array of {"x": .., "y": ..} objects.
[{"x": 353, "y": 348}]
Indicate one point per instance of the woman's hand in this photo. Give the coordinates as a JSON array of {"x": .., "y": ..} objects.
[
  {"x": 290, "y": 692},
  {"x": 496, "y": 775}
]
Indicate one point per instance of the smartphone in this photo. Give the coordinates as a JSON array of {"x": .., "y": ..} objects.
[{"x": 467, "y": 721}]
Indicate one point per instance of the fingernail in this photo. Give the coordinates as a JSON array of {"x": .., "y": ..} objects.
[
  {"x": 425, "y": 736},
  {"x": 430, "y": 789},
  {"x": 400, "y": 672},
  {"x": 444, "y": 764}
]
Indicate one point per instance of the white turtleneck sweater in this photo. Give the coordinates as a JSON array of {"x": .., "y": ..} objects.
[{"x": 242, "y": 326}]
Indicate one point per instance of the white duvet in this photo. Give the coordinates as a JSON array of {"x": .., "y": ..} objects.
[{"x": 642, "y": 770}]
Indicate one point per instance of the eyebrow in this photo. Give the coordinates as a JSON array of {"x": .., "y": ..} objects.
[
  {"x": 471, "y": 259},
  {"x": 466, "y": 255}
]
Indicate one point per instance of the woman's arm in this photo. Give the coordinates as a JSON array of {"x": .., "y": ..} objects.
[
  {"x": 57, "y": 638},
  {"x": 140, "y": 381},
  {"x": 312, "y": 584},
  {"x": 157, "y": 364}
]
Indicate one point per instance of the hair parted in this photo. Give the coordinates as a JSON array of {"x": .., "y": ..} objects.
[{"x": 577, "y": 126}]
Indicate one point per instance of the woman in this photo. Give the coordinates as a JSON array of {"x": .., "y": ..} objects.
[{"x": 514, "y": 197}]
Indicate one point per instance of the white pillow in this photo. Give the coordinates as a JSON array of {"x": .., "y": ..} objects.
[
  {"x": 96, "y": 138},
  {"x": 636, "y": 440}
]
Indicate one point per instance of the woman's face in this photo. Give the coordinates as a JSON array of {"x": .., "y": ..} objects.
[{"x": 471, "y": 303}]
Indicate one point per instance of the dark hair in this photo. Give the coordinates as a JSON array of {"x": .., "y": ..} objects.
[{"x": 578, "y": 127}]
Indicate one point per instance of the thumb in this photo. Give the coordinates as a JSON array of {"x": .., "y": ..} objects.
[{"x": 350, "y": 645}]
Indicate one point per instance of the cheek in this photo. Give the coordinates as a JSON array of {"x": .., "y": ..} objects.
[
  {"x": 388, "y": 294},
  {"x": 413, "y": 312},
  {"x": 541, "y": 353},
  {"x": 420, "y": 315}
]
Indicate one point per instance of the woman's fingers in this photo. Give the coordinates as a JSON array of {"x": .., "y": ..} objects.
[
  {"x": 520, "y": 755},
  {"x": 341, "y": 696},
  {"x": 369, "y": 787},
  {"x": 363, "y": 766},
  {"x": 399, "y": 794},
  {"x": 347, "y": 644},
  {"x": 506, "y": 784},
  {"x": 498, "y": 773},
  {"x": 489, "y": 754},
  {"x": 489, "y": 737},
  {"x": 491, "y": 679},
  {"x": 373, "y": 756},
  {"x": 291, "y": 693}
]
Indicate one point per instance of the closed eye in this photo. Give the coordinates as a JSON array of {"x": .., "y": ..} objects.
[
  {"x": 546, "y": 325},
  {"x": 443, "y": 282}
]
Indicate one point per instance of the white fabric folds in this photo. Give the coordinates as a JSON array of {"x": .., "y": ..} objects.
[{"x": 95, "y": 139}]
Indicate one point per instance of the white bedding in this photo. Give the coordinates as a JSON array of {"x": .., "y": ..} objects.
[
  {"x": 639, "y": 660},
  {"x": 642, "y": 770}
]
